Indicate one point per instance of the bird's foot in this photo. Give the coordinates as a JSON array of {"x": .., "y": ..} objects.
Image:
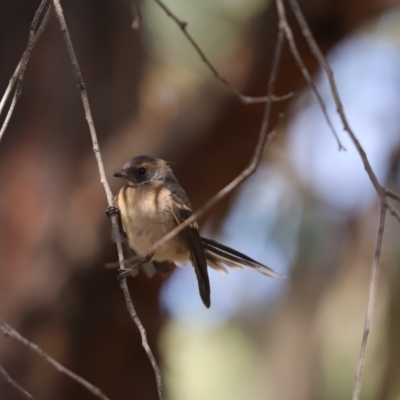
[
  {"x": 123, "y": 273},
  {"x": 112, "y": 210}
]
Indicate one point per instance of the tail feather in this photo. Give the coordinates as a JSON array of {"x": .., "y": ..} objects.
[
  {"x": 223, "y": 254},
  {"x": 215, "y": 263},
  {"x": 213, "y": 256}
]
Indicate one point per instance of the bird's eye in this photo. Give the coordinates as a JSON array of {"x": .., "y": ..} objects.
[{"x": 142, "y": 171}]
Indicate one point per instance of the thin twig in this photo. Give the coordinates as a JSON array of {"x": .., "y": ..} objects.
[
  {"x": 19, "y": 73},
  {"x": 371, "y": 302},
  {"x": 10, "y": 381},
  {"x": 243, "y": 98},
  {"x": 103, "y": 179},
  {"x": 13, "y": 334},
  {"x": 284, "y": 26}
]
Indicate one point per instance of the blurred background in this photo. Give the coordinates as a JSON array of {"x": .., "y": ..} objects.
[{"x": 309, "y": 211}]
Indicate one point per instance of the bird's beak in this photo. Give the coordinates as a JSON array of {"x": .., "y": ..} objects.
[{"x": 120, "y": 175}]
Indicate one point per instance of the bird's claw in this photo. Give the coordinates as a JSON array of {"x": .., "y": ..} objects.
[
  {"x": 123, "y": 273},
  {"x": 112, "y": 210}
]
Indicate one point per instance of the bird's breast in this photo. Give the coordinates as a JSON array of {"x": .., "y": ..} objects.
[{"x": 146, "y": 213}]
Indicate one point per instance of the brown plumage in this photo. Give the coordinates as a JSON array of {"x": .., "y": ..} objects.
[{"x": 150, "y": 205}]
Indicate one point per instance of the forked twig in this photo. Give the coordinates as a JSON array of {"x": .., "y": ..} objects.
[
  {"x": 243, "y": 98},
  {"x": 103, "y": 179},
  {"x": 13, "y": 334},
  {"x": 10, "y": 381},
  {"x": 19, "y": 73}
]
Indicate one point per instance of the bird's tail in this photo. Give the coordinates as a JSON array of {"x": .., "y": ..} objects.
[{"x": 217, "y": 254}]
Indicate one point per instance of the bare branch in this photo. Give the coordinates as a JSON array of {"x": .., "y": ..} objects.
[
  {"x": 243, "y": 98},
  {"x": 103, "y": 179},
  {"x": 371, "y": 302},
  {"x": 19, "y": 73},
  {"x": 10, "y": 381},
  {"x": 284, "y": 26},
  {"x": 13, "y": 334}
]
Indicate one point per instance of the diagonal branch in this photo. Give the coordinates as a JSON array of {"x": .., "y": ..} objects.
[
  {"x": 103, "y": 179},
  {"x": 7, "y": 378},
  {"x": 13, "y": 334},
  {"x": 19, "y": 73},
  {"x": 243, "y": 98}
]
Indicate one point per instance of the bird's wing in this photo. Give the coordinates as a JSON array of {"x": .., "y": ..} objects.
[{"x": 181, "y": 213}]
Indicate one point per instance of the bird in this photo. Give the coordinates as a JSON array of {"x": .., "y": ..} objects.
[{"x": 149, "y": 206}]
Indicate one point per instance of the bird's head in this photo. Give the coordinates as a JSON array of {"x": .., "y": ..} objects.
[{"x": 142, "y": 169}]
